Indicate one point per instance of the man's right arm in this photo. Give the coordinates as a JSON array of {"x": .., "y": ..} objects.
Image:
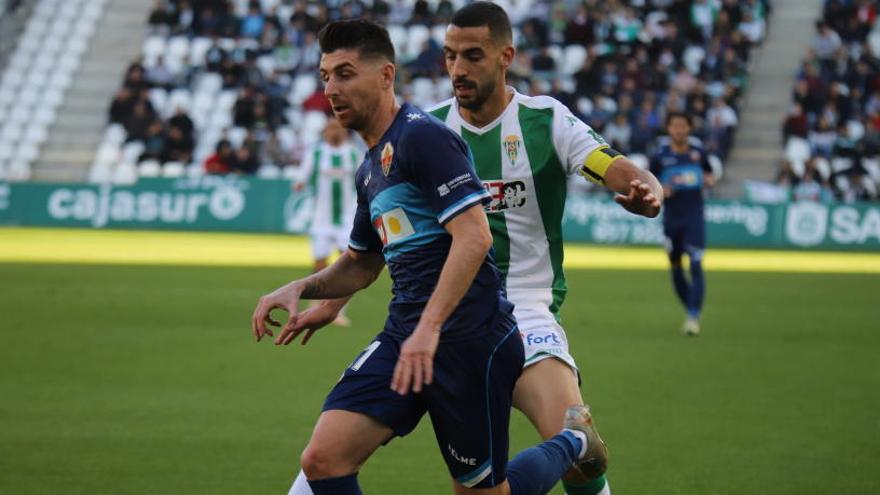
[{"x": 350, "y": 273}]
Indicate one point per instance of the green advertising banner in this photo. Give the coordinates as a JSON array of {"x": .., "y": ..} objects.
[
  {"x": 233, "y": 203},
  {"x": 804, "y": 225},
  {"x": 226, "y": 203}
]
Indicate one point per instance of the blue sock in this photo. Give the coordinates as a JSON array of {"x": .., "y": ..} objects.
[
  {"x": 536, "y": 470},
  {"x": 343, "y": 485},
  {"x": 698, "y": 289},
  {"x": 682, "y": 289}
]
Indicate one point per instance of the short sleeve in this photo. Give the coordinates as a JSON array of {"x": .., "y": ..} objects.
[
  {"x": 363, "y": 236},
  {"x": 583, "y": 150},
  {"x": 441, "y": 165},
  {"x": 655, "y": 167}
]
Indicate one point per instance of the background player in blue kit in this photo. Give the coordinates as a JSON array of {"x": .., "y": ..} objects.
[
  {"x": 450, "y": 345},
  {"x": 683, "y": 168}
]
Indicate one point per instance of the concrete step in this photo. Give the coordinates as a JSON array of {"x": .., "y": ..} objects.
[
  {"x": 61, "y": 172},
  {"x": 52, "y": 155}
]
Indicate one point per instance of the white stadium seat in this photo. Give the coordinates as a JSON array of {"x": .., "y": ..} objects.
[
  {"x": 173, "y": 170},
  {"x": 149, "y": 168},
  {"x": 125, "y": 173}
]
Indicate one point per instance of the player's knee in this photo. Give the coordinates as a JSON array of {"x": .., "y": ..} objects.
[
  {"x": 675, "y": 262},
  {"x": 320, "y": 462}
]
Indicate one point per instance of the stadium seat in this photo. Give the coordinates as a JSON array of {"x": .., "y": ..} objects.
[
  {"x": 173, "y": 170},
  {"x": 132, "y": 151},
  {"x": 693, "y": 58},
  {"x": 197, "y": 50},
  {"x": 101, "y": 173},
  {"x": 6, "y": 150},
  {"x": 797, "y": 149},
  {"x": 18, "y": 171},
  {"x": 422, "y": 92},
  {"x": 398, "y": 37},
  {"x": 290, "y": 173},
  {"x": 798, "y": 167},
  {"x": 855, "y": 129},
  {"x": 269, "y": 171},
  {"x": 840, "y": 164},
  {"x": 303, "y": 86},
  {"x": 226, "y": 99},
  {"x": 2, "y": 169},
  {"x": 35, "y": 133},
  {"x": 823, "y": 167},
  {"x": 573, "y": 59},
  {"x": 416, "y": 36},
  {"x": 149, "y": 168},
  {"x": 236, "y": 136},
  {"x": 114, "y": 134},
  {"x": 176, "y": 48},
  {"x": 872, "y": 166},
  {"x": 11, "y": 132},
  {"x": 209, "y": 83},
  {"x": 125, "y": 173},
  {"x": 152, "y": 48}
]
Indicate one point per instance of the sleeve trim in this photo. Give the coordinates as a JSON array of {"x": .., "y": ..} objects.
[{"x": 462, "y": 204}]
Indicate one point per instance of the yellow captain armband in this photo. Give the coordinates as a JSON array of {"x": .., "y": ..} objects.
[{"x": 598, "y": 162}]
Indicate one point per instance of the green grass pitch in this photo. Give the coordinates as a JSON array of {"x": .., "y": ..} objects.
[{"x": 146, "y": 380}]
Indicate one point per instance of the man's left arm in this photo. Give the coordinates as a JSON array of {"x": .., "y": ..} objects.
[
  {"x": 588, "y": 155},
  {"x": 471, "y": 241}
]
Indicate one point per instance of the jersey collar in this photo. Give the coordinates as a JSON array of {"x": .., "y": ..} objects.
[{"x": 511, "y": 106}]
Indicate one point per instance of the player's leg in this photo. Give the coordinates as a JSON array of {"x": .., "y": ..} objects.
[
  {"x": 675, "y": 250},
  {"x": 360, "y": 414},
  {"x": 694, "y": 245},
  {"x": 341, "y": 442},
  {"x": 471, "y": 418},
  {"x": 545, "y": 407},
  {"x": 322, "y": 243}
]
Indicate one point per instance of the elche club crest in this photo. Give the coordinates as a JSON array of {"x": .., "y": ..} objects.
[
  {"x": 511, "y": 147},
  {"x": 387, "y": 157}
]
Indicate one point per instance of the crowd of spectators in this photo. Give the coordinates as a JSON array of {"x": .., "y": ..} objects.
[
  {"x": 619, "y": 65},
  {"x": 832, "y": 129}
]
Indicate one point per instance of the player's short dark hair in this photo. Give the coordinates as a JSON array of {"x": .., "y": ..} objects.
[
  {"x": 479, "y": 14},
  {"x": 370, "y": 39},
  {"x": 684, "y": 115}
]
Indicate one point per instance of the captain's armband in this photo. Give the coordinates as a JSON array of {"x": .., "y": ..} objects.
[{"x": 597, "y": 163}]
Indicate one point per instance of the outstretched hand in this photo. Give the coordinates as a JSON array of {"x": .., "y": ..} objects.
[
  {"x": 640, "y": 200},
  {"x": 285, "y": 298},
  {"x": 310, "y": 321}
]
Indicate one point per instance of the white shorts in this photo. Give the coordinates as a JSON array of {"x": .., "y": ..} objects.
[
  {"x": 542, "y": 335},
  {"x": 325, "y": 239}
]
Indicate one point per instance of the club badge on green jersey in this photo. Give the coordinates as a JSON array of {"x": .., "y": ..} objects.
[{"x": 512, "y": 144}]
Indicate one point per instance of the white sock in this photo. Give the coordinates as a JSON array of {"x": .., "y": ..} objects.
[
  {"x": 300, "y": 485},
  {"x": 584, "y": 442}
]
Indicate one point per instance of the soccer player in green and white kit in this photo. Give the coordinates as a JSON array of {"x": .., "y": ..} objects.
[
  {"x": 524, "y": 149},
  {"x": 328, "y": 169}
]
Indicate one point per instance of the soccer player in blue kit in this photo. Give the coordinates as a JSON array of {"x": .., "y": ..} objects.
[
  {"x": 449, "y": 346},
  {"x": 683, "y": 168}
]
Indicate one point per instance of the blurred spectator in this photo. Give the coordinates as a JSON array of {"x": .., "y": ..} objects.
[
  {"x": 221, "y": 161},
  {"x": 796, "y": 123},
  {"x": 139, "y": 121},
  {"x": 159, "y": 76}
]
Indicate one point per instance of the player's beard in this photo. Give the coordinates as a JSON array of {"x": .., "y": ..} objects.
[{"x": 482, "y": 92}]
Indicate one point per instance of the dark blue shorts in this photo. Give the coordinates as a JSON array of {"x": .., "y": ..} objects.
[
  {"x": 685, "y": 238},
  {"x": 469, "y": 400}
]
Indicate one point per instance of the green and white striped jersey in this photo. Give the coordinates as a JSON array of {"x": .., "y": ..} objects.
[
  {"x": 524, "y": 159},
  {"x": 329, "y": 172}
]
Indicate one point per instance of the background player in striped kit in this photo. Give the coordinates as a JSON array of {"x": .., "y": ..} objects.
[
  {"x": 524, "y": 149},
  {"x": 328, "y": 169}
]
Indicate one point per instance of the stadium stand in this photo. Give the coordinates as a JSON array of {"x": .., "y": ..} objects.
[
  {"x": 39, "y": 71},
  {"x": 832, "y": 130},
  {"x": 243, "y": 73},
  {"x": 228, "y": 75}
]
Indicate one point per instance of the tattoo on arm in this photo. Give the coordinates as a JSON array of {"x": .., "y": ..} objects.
[{"x": 314, "y": 288}]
